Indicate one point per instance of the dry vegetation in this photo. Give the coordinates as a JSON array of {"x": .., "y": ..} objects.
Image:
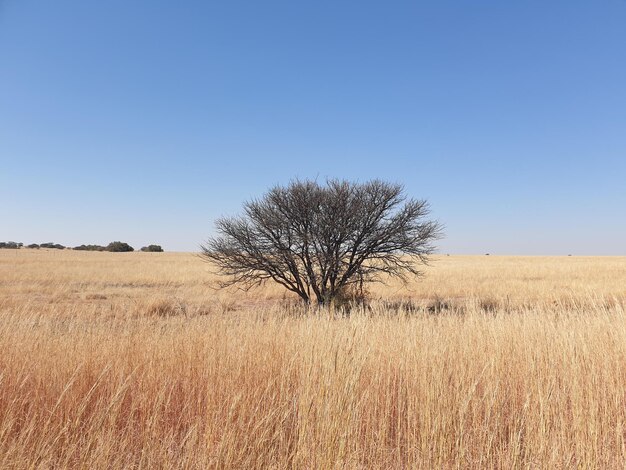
[{"x": 131, "y": 360}]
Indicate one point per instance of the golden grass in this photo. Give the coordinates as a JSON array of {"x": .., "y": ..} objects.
[{"x": 131, "y": 360}]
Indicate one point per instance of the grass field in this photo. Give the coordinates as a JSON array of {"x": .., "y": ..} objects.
[{"x": 132, "y": 360}]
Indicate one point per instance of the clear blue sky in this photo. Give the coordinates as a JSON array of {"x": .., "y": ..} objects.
[{"x": 143, "y": 121}]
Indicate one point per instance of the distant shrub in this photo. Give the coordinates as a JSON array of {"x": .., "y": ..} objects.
[
  {"x": 119, "y": 247},
  {"x": 152, "y": 248},
  {"x": 10, "y": 245},
  {"x": 33, "y": 245},
  {"x": 56, "y": 246},
  {"x": 90, "y": 248}
]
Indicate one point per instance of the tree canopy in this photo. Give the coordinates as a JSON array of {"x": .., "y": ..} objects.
[{"x": 315, "y": 240}]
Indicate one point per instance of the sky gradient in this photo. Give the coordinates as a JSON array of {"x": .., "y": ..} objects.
[{"x": 144, "y": 121}]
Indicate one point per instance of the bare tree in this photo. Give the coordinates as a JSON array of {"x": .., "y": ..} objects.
[{"x": 316, "y": 240}]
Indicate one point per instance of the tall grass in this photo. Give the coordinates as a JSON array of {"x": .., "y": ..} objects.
[{"x": 130, "y": 381}]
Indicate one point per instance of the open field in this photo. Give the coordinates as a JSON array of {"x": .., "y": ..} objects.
[{"x": 123, "y": 360}]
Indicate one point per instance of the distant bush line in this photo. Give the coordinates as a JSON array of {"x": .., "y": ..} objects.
[
  {"x": 11, "y": 245},
  {"x": 116, "y": 247}
]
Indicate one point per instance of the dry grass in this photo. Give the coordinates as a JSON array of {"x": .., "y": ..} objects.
[{"x": 130, "y": 360}]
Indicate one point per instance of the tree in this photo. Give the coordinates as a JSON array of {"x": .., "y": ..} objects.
[
  {"x": 119, "y": 247},
  {"x": 10, "y": 245},
  {"x": 318, "y": 240},
  {"x": 90, "y": 248},
  {"x": 56, "y": 246},
  {"x": 152, "y": 249}
]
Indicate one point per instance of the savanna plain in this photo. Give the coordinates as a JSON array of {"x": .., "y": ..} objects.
[{"x": 134, "y": 360}]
